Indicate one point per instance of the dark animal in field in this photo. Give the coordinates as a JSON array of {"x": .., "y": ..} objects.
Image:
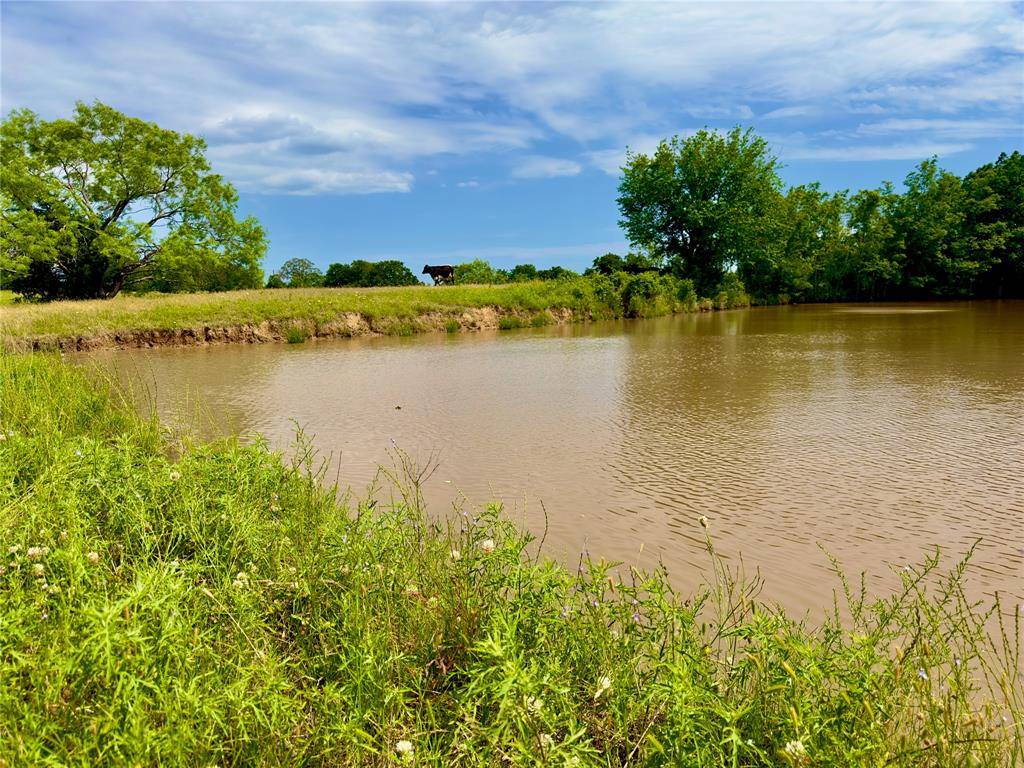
[{"x": 443, "y": 273}]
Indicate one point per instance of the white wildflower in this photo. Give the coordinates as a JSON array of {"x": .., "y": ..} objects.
[
  {"x": 795, "y": 751},
  {"x": 37, "y": 553},
  {"x": 175, "y": 475},
  {"x": 404, "y": 749},
  {"x": 546, "y": 741},
  {"x": 487, "y": 546},
  {"x": 603, "y": 684},
  {"x": 38, "y": 569},
  {"x": 93, "y": 557},
  {"x": 533, "y": 704}
]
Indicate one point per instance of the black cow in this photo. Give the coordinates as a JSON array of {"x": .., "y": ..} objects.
[{"x": 444, "y": 273}]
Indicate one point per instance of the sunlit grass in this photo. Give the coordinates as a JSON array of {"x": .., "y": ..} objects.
[
  {"x": 316, "y": 305},
  {"x": 165, "y": 601},
  {"x": 281, "y": 313}
]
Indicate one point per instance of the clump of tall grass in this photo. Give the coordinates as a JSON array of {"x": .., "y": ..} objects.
[
  {"x": 172, "y": 602},
  {"x": 510, "y": 322},
  {"x": 296, "y": 334}
]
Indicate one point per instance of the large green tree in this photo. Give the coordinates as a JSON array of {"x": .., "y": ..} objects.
[
  {"x": 994, "y": 227},
  {"x": 301, "y": 273},
  {"x": 869, "y": 264},
  {"x": 929, "y": 228},
  {"x": 101, "y": 202},
  {"x": 806, "y": 226},
  {"x": 701, "y": 204}
]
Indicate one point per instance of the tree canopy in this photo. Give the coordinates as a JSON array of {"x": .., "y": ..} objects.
[
  {"x": 700, "y": 204},
  {"x": 300, "y": 273},
  {"x": 365, "y": 274},
  {"x": 101, "y": 201}
]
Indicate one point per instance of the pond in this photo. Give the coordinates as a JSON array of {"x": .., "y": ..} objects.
[{"x": 872, "y": 432}]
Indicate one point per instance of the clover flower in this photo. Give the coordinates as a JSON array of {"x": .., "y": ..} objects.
[
  {"x": 38, "y": 569},
  {"x": 533, "y": 704},
  {"x": 93, "y": 557},
  {"x": 37, "y": 553},
  {"x": 795, "y": 751},
  {"x": 404, "y": 749},
  {"x": 175, "y": 475},
  {"x": 487, "y": 546}
]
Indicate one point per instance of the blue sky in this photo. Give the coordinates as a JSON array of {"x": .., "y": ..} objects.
[{"x": 442, "y": 132}]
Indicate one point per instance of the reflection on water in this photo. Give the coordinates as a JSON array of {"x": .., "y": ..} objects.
[{"x": 873, "y": 432}]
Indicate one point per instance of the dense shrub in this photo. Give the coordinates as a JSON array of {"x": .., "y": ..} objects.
[
  {"x": 478, "y": 272},
  {"x": 648, "y": 294},
  {"x": 365, "y": 274},
  {"x": 731, "y": 293}
]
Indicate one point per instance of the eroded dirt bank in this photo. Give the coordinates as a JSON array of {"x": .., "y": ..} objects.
[{"x": 348, "y": 324}]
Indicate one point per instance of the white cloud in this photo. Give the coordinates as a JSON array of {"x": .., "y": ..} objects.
[
  {"x": 943, "y": 127},
  {"x": 309, "y": 181},
  {"x": 871, "y": 152},
  {"x": 788, "y": 113},
  {"x": 335, "y": 96},
  {"x": 540, "y": 167},
  {"x": 471, "y": 184}
]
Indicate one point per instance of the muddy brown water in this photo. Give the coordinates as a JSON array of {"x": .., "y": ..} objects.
[{"x": 873, "y": 432}]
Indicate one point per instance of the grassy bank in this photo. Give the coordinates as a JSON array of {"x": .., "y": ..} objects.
[
  {"x": 169, "y": 602},
  {"x": 300, "y": 314}
]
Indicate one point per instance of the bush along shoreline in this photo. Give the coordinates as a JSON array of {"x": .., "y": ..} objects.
[
  {"x": 171, "y": 602},
  {"x": 296, "y": 315}
]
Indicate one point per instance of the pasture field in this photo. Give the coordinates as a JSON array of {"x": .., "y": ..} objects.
[{"x": 249, "y": 315}]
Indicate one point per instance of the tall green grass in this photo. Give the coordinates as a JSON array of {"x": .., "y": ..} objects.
[{"x": 171, "y": 602}]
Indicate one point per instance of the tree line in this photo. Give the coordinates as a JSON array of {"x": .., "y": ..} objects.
[
  {"x": 712, "y": 208},
  {"x": 303, "y": 273},
  {"x": 102, "y": 202}
]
